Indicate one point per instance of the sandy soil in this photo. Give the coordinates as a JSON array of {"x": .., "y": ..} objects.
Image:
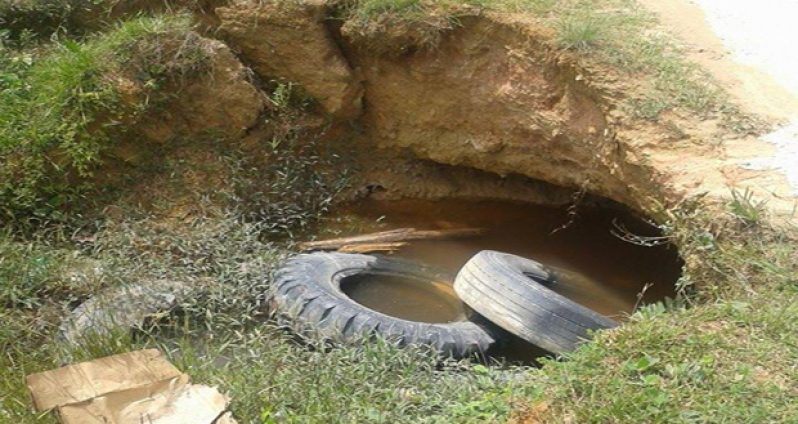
[{"x": 748, "y": 47}]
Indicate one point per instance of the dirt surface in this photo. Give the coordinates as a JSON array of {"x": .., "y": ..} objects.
[
  {"x": 497, "y": 96},
  {"x": 224, "y": 102},
  {"x": 492, "y": 96},
  {"x": 492, "y": 108},
  {"x": 749, "y": 66},
  {"x": 756, "y": 90}
]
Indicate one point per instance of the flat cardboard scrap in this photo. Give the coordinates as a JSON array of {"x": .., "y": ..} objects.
[{"x": 139, "y": 387}]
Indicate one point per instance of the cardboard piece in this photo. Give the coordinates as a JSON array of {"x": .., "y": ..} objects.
[{"x": 139, "y": 387}]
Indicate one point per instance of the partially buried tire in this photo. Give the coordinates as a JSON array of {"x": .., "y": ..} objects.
[
  {"x": 123, "y": 307},
  {"x": 308, "y": 298},
  {"x": 514, "y": 293}
]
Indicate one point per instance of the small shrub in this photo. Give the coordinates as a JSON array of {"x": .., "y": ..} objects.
[{"x": 33, "y": 18}]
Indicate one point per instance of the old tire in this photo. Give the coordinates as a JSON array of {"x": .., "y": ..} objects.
[
  {"x": 121, "y": 307},
  {"x": 512, "y": 292},
  {"x": 309, "y": 299}
]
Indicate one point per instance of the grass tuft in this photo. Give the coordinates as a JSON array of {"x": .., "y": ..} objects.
[
  {"x": 581, "y": 32},
  {"x": 368, "y": 8},
  {"x": 746, "y": 209}
]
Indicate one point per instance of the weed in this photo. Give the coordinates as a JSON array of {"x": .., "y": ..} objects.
[
  {"x": 297, "y": 184},
  {"x": 745, "y": 208},
  {"x": 288, "y": 97},
  {"x": 60, "y": 108},
  {"x": 282, "y": 95}
]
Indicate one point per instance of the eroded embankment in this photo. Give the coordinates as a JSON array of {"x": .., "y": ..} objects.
[
  {"x": 493, "y": 93},
  {"x": 492, "y": 106}
]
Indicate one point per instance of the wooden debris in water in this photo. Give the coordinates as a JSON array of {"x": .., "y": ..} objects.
[
  {"x": 372, "y": 247},
  {"x": 387, "y": 237}
]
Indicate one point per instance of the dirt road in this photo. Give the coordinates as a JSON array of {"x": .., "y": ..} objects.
[{"x": 748, "y": 46}]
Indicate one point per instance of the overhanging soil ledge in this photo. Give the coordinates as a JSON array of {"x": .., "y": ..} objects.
[
  {"x": 495, "y": 94},
  {"x": 483, "y": 106}
]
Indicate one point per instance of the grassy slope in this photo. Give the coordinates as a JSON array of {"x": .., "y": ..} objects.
[
  {"x": 731, "y": 361},
  {"x": 60, "y": 105},
  {"x": 729, "y": 358}
]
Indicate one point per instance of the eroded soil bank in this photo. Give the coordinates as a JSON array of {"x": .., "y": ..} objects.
[
  {"x": 487, "y": 92},
  {"x": 477, "y": 104}
]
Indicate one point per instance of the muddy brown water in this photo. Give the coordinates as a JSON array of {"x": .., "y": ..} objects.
[
  {"x": 406, "y": 298},
  {"x": 596, "y": 268}
]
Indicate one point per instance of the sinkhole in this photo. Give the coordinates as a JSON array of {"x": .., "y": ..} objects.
[{"x": 605, "y": 257}]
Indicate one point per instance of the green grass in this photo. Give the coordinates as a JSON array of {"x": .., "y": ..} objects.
[
  {"x": 729, "y": 361},
  {"x": 725, "y": 353},
  {"x": 278, "y": 381},
  {"x": 220, "y": 337},
  {"x": 31, "y": 272},
  {"x": 581, "y": 33},
  {"x": 746, "y": 209},
  {"x": 25, "y": 20},
  {"x": 367, "y": 8},
  {"x": 61, "y": 107}
]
